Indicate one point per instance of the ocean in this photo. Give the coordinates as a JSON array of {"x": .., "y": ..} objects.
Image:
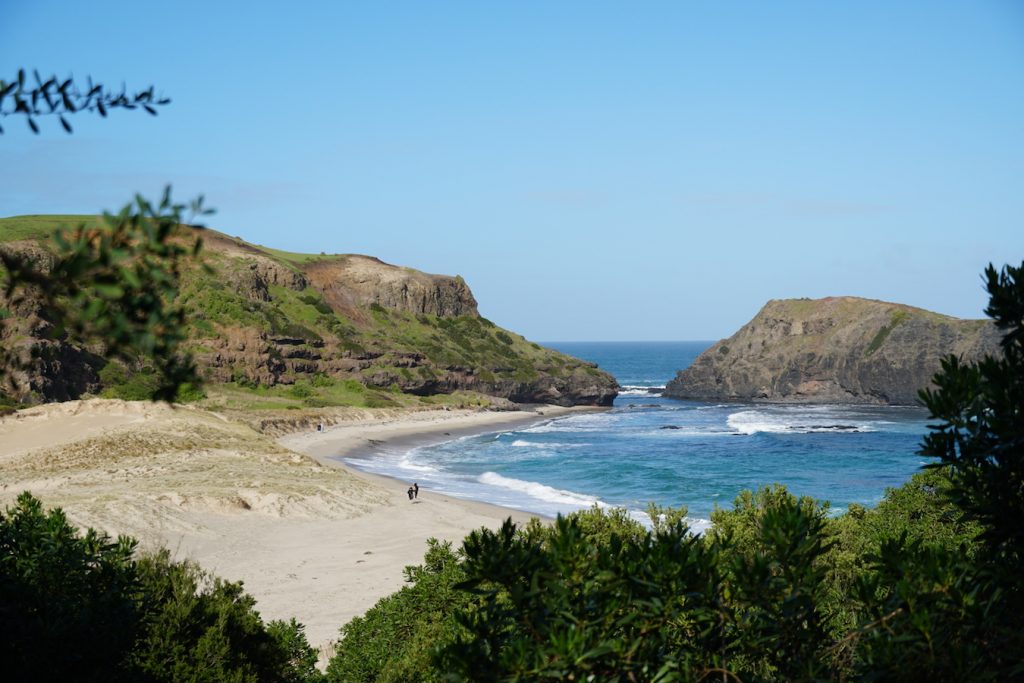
[{"x": 670, "y": 452}]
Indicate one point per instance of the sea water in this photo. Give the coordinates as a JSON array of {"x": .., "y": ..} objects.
[{"x": 671, "y": 452}]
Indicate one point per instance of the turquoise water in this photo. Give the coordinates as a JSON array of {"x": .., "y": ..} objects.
[{"x": 648, "y": 448}]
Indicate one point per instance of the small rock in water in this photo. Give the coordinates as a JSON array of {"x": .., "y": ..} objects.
[{"x": 670, "y": 427}]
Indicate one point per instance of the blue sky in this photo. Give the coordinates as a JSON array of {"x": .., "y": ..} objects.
[{"x": 596, "y": 171}]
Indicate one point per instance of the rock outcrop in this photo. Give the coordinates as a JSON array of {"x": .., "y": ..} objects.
[
  {"x": 264, "y": 318},
  {"x": 354, "y": 281},
  {"x": 833, "y": 350}
]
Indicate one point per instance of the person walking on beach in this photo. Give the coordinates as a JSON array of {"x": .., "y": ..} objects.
[
  {"x": 411, "y": 493},
  {"x": 416, "y": 490}
]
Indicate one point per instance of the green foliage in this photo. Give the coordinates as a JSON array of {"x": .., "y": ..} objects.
[
  {"x": 39, "y": 229},
  {"x": 69, "y": 606},
  {"x": 82, "y": 608},
  {"x": 960, "y": 614},
  {"x": 115, "y": 285},
  {"x": 136, "y": 386},
  {"x": 895, "y": 318},
  {"x": 202, "y": 628},
  {"x": 393, "y": 641},
  {"x": 627, "y": 604},
  {"x": 877, "y": 340},
  {"x": 61, "y": 97},
  {"x": 980, "y": 433},
  {"x": 316, "y": 301},
  {"x": 141, "y": 385},
  {"x": 301, "y": 390}
]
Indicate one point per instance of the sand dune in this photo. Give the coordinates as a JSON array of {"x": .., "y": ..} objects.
[{"x": 310, "y": 538}]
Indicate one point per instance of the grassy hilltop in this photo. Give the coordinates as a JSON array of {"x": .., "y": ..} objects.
[{"x": 277, "y": 329}]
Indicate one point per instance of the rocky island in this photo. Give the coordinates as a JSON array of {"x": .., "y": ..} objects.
[{"x": 833, "y": 350}]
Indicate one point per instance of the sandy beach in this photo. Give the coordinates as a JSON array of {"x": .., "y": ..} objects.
[{"x": 311, "y": 538}]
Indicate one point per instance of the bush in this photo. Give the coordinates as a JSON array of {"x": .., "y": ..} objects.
[
  {"x": 82, "y": 608},
  {"x": 394, "y": 639},
  {"x": 70, "y": 606}
]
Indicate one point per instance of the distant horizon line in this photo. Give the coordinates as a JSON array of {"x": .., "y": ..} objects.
[{"x": 629, "y": 341}]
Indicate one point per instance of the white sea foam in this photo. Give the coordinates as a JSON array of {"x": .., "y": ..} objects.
[
  {"x": 539, "y": 491},
  {"x": 698, "y": 525},
  {"x": 547, "y": 445},
  {"x": 636, "y": 390},
  {"x": 809, "y": 420},
  {"x": 406, "y": 463}
]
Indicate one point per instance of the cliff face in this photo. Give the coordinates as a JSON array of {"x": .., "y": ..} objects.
[
  {"x": 356, "y": 281},
  {"x": 833, "y": 350},
  {"x": 263, "y": 318}
]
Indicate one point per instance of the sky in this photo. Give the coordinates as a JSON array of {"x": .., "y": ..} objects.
[{"x": 594, "y": 170}]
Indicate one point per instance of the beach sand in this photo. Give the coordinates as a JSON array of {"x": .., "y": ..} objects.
[{"x": 310, "y": 538}]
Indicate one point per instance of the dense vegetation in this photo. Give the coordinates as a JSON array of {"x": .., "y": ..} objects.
[{"x": 84, "y": 608}]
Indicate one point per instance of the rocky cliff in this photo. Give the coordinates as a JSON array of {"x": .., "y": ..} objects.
[
  {"x": 833, "y": 350},
  {"x": 327, "y": 328}
]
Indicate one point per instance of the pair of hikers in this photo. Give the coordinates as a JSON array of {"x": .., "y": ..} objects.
[{"x": 414, "y": 491}]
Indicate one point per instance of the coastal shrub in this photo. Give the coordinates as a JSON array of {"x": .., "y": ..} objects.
[
  {"x": 878, "y": 339},
  {"x": 70, "y": 605},
  {"x": 631, "y": 604},
  {"x": 312, "y": 298},
  {"x": 959, "y": 614},
  {"x": 202, "y": 628},
  {"x": 83, "y": 607},
  {"x": 139, "y": 385},
  {"x": 321, "y": 380},
  {"x": 300, "y": 389},
  {"x": 394, "y": 639}
]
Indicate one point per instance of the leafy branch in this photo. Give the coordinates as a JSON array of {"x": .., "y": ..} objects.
[
  {"x": 59, "y": 97},
  {"x": 116, "y": 286}
]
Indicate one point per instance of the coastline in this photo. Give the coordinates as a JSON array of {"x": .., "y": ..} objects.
[
  {"x": 310, "y": 537},
  {"x": 348, "y": 565}
]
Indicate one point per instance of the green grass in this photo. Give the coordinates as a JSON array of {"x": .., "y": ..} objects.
[
  {"x": 895, "y": 319},
  {"x": 40, "y": 228},
  {"x": 340, "y": 393},
  {"x": 293, "y": 257}
]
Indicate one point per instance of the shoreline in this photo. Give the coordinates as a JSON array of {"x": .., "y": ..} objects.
[
  {"x": 309, "y": 536},
  {"x": 361, "y": 440}
]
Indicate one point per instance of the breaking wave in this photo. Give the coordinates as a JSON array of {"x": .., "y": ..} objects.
[
  {"x": 539, "y": 491},
  {"x": 756, "y": 421}
]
